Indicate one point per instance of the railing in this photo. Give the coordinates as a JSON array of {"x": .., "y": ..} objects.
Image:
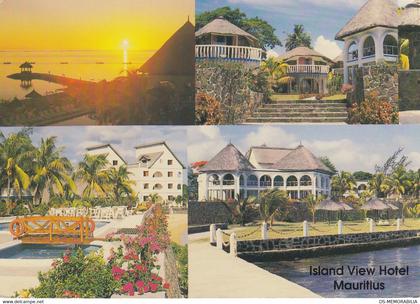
[
  {"x": 228, "y": 52},
  {"x": 390, "y": 50},
  {"x": 353, "y": 55},
  {"x": 53, "y": 229},
  {"x": 308, "y": 69},
  {"x": 369, "y": 52},
  {"x": 265, "y": 184}
]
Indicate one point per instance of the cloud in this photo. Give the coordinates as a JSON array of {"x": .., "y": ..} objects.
[
  {"x": 277, "y": 4},
  {"x": 327, "y": 47},
  {"x": 270, "y": 136},
  {"x": 272, "y": 53},
  {"x": 204, "y": 143}
]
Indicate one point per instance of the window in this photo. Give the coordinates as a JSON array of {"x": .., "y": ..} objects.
[
  {"x": 145, "y": 173},
  {"x": 292, "y": 181},
  {"x": 171, "y": 198},
  {"x": 228, "y": 180},
  {"x": 157, "y": 174},
  {"x": 179, "y": 187},
  {"x": 278, "y": 181},
  {"x": 252, "y": 181},
  {"x": 170, "y": 186},
  {"x": 241, "y": 180},
  {"x": 170, "y": 162},
  {"x": 170, "y": 174},
  {"x": 353, "y": 52},
  {"x": 214, "y": 180},
  {"x": 115, "y": 162},
  {"x": 369, "y": 47},
  {"x": 305, "y": 181},
  {"x": 390, "y": 46},
  {"x": 157, "y": 187},
  {"x": 265, "y": 181},
  {"x": 146, "y": 186}
]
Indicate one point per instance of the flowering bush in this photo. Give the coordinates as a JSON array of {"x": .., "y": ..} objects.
[
  {"x": 76, "y": 275},
  {"x": 207, "y": 109},
  {"x": 373, "y": 110},
  {"x": 134, "y": 264}
]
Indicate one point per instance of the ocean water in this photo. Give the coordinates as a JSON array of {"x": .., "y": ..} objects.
[
  {"x": 395, "y": 286},
  {"x": 86, "y": 65}
]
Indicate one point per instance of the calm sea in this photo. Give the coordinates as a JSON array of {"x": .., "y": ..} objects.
[
  {"x": 401, "y": 286},
  {"x": 86, "y": 65}
]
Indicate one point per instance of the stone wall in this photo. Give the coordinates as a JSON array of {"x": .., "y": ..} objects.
[
  {"x": 171, "y": 274},
  {"x": 228, "y": 83},
  {"x": 409, "y": 90},
  {"x": 381, "y": 80},
  {"x": 208, "y": 213},
  {"x": 324, "y": 240}
]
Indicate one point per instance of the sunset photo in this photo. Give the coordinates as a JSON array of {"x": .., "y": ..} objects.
[{"x": 96, "y": 62}]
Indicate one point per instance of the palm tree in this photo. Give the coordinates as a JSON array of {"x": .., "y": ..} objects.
[
  {"x": 270, "y": 202},
  {"x": 312, "y": 202},
  {"x": 52, "y": 171},
  {"x": 120, "y": 182},
  {"x": 276, "y": 70},
  {"x": 298, "y": 38},
  {"x": 242, "y": 207},
  {"x": 154, "y": 198},
  {"x": 93, "y": 171},
  {"x": 342, "y": 183},
  {"x": 16, "y": 153}
]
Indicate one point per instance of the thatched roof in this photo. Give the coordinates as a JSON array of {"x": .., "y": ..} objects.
[
  {"x": 176, "y": 56},
  {"x": 229, "y": 159},
  {"x": 411, "y": 15},
  {"x": 25, "y": 65},
  {"x": 329, "y": 205},
  {"x": 303, "y": 51},
  {"x": 33, "y": 94},
  {"x": 375, "y": 204},
  {"x": 300, "y": 159},
  {"x": 393, "y": 207},
  {"x": 373, "y": 14},
  {"x": 221, "y": 26},
  {"x": 345, "y": 206}
]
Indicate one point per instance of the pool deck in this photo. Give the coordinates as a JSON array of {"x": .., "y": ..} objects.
[{"x": 214, "y": 273}]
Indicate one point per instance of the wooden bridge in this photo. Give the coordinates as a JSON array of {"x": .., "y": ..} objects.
[
  {"x": 63, "y": 80},
  {"x": 53, "y": 230}
]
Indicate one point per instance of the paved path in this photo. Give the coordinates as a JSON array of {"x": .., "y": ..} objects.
[
  {"x": 215, "y": 274},
  {"x": 410, "y": 117},
  {"x": 178, "y": 228}
]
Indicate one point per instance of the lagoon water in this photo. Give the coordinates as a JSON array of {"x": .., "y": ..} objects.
[
  {"x": 86, "y": 65},
  {"x": 395, "y": 286}
]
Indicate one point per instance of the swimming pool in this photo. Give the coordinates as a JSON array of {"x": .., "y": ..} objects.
[
  {"x": 4, "y": 226},
  {"x": 38, "y": 251}
]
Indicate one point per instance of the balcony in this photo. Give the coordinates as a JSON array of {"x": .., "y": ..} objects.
[
  {"x": 308, "y": 69},
  {"x": 227, "y": 52}
]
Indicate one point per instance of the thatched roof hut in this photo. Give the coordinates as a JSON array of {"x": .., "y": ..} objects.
[
  {"x": 33, "y": 95},
  {"x": 375, "y": 13},
  {"x": 26, "y": 65},
  {"x": 229, "y": 159},
  {"x": 330, "y": 205},
  {"x": 222, "y": 27},
  {"x": 375, "y": 204},
  {"x": 410, "y": 16},
  {"x": 303, "y": 51},
  {"x": 176, "y": 56}
]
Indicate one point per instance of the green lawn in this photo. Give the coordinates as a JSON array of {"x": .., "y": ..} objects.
[
  {"x": 284, "y": 97},
  {"x": 286, "y": 230},
  {"x": 335, "y": 97}
]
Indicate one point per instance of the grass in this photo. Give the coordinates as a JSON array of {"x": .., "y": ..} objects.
[
  {"x": 335, "y": 97},
  {"x": 287, "y": 230},
  {"x": 177, "y": 226},
  {"x": 291, "y": 97}
]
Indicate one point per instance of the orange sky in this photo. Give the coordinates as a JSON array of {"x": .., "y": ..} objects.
[{"x": 90, "y": 24}]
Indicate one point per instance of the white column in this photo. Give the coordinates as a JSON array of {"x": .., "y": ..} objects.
[
  {"x": 233, "y": 245},
  {"x": 340, "y": 227},
  {"x": 398, "y": 224},
  {"x": 212, "y": 233},
  {"x": 379, "y": 45},
  {"x": 305, "y": 229},
  {"x": 360, "y": 48},
  {"x": 219, "y": 239},
  {"x": 264, "y": 231},
  {"x": 372, "y": 226}
]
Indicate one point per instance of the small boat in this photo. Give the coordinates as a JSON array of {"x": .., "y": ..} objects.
[
  {"x": 7, "y": 62},
  {"x": 32, "y": 62},
  {"x": 64, "y": 62},
  {"x": 100, "y": 62}
]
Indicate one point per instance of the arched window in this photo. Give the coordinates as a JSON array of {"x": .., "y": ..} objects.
[
  {"x": 369, "y": 47},
  {"x": 353, "y": 52},
  {"x": 362, "y": 187},
  {"x": 228, "y": 180},
  {"x": 252, "y": 181},
  {"x": 390, "y": 46},
  {"x": 157, "y": 187},
  {"x": 292, "y": 181},
  {"x": 322, "y": 182},
  {"x": 241, "y": 180},
  {"x": 157, "y": 174},
  {"x": 265, "y": 181},
  {"x": 278, "y": 181},
  {"x": 214, "y": 180},
  {"x": 306, "y": 181}
]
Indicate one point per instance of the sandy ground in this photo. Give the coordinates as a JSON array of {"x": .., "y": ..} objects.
[
  {"x": 178, "y": 228},
  {"x": 410, "y": 117},
  {"x": 214, "y": 273}
]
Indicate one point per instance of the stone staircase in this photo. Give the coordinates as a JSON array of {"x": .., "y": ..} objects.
[{"x": 301, "y": 111}]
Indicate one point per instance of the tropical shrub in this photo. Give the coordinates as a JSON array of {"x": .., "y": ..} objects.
[
  {"x": 373, "y": 110},
  {"x": 207, "y": 110},
  {"x": 181, "y": 254},
  {"x": 76, "y": 275}
]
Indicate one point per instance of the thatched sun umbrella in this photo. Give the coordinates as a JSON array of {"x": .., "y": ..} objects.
[
  {"x": 330, "y": 206},
  {"x": 375, "y": 204}
]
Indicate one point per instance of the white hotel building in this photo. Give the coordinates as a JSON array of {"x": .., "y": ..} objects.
[
  {"x": 157, "y": 169},
  {"x": 230, "y": 173}
]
